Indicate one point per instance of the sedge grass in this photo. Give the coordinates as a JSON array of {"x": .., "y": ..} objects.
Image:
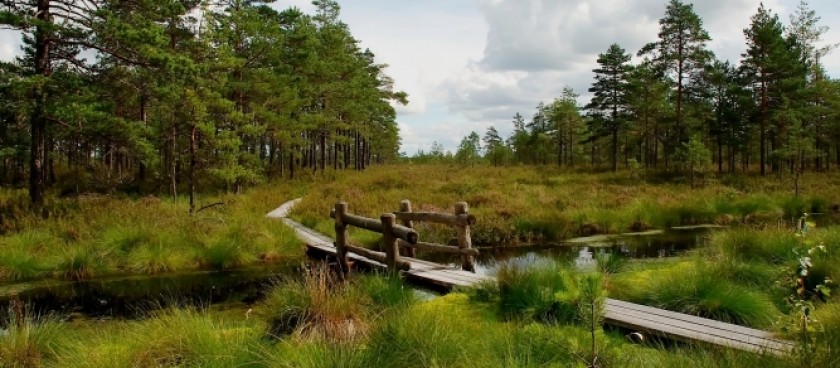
[
  {"x": 545, "y": 292},
  {"x": 774, "y": 246},
  {"x": 319, "y": 306},
  {"x": 694, "y": 287},
  {"x": 28, "y": 341},
  {"x": 170, "y": 338}
]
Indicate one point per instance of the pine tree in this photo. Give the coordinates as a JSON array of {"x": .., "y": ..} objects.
[
  {"x": 494, "y": 146},
  {"x": 649, "y": 107},
  {"x": 680, "y": 54},
  {"x": 469, "y": 150},
  {"x": 610, "y": 97},
  {"x": 776, "y": 69},
  {"x": 567, "y": 123},
  {"x": 804, "y": 27}
]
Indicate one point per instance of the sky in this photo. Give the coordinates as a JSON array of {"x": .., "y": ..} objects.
[{"x": 471, "y": 64}]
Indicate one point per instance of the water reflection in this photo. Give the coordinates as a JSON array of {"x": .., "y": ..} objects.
[
  {"x": 583, "y": 253},
  {"x": 134, "y": 296},
  {"x": 585, "y": 260}
]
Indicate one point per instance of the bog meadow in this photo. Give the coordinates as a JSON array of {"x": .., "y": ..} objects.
[{"x": 143, "y": 144}]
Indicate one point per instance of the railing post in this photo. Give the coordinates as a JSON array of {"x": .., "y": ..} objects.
[
  {"x": 341, "y": 238},
  {"x": 392, "y": 252},
  {"x": 464, "y": 241},
  {"x": 405, "y": 206}
]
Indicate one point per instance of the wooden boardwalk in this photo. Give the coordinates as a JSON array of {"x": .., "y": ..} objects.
[{"x": 649, "y": 320}]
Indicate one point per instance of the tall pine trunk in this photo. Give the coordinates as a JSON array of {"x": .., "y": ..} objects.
[{"x": 38, "y": 120}]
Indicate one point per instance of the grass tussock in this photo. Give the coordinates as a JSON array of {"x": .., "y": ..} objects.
[
  {"x": 698, "y": 289},
  {"x": 774, "y": 246},
  {"x": 545, "y": 292},
  {"x": 29, "y": 341},
  {"x": 171, "y": 338},
  {"x": 319, "y": 306}
]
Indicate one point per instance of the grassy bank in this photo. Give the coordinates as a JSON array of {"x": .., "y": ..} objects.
[
  {"x": 97, "y": 235},
  {"x": 526, "y": 204},
  {"x": 317, "y": 322}
]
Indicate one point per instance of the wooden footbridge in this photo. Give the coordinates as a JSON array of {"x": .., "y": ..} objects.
[{"x": 636, "y": 317}]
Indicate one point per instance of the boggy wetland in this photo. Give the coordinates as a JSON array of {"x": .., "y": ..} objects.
[
  {"x": 238, "y": 289},
  {"x": 502, "y": 183}
]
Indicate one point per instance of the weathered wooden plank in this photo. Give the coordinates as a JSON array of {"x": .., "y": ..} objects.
[
  {"x": 439, "y": 278},
  {"x": 440, "y": 248},
  {"x": 283, "y": 210},
  {"x": 687, "y": 336},
  {"x": 442, "y": 275},
  {"x": 693, "y": 319},
  {"x": 448, "y": 274},
  {"x": 329, "y": 250},
  {"x": 686, "y": 333},
  {"x": 666, "y": 325},
  {"x": 378, "y": 256}
]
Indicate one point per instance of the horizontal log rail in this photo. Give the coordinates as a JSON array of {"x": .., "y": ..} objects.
[
  {"x": 396, "y": 236},
  {"x": 407, "y": 234},
  {"x": 378, "y": 256},
  {"x": 434, "y": 247},
  {"x": 439, "y": 218}
]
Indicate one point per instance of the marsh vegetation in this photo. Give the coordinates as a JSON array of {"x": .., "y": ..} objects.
[{"x": 538, "y": 313}]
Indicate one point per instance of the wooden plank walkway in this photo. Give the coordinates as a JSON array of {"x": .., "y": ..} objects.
[{"x": 653, "y": 321}]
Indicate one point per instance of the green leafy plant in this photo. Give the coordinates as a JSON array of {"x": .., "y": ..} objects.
[{"x": 805, "y": 288}]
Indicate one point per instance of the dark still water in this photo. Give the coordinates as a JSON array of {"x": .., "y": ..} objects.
[
  {"x": 134, "y": 296},
  {"x": 583, "y": 251}
]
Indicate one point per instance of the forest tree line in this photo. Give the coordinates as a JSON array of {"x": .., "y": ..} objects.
[
  {"x": 680, "y": 106},
  {"x": 169, "y": 96}
]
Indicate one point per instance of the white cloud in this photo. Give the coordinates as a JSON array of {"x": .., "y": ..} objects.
[
  {"x": 10, "y": 42},
  {"x": 536, "y": 47}
]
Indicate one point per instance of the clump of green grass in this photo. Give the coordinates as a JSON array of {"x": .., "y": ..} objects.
[
  {"x": 312, "y": 354},
  {"x": 18, "y": 264},
  {"x": 29, "y": 341},
  {"x": 317, "y": 307},
  {"x": 694, "y": 288},
  {"x": 80, "y": 263},
  {"x": 385, "y": 292},
  {"x": 827, "y": 317},
  {"x": 96, "y": 235},
  {"x": 189, "y": 338},
  {"x": 771, "y": 246},
  {"x": 444, "y": 332},
  {"x": 125, "y": 239},
  {"x": 224, "y": 252},
  {"x": 158, "y": 258},
  {"x": 756, "y": 275},
  {"x": 170, "y": 338},
  {"x": 545, "y": 292}
]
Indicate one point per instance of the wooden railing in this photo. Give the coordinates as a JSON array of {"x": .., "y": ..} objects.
[{"x": 396, "y": 236}]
